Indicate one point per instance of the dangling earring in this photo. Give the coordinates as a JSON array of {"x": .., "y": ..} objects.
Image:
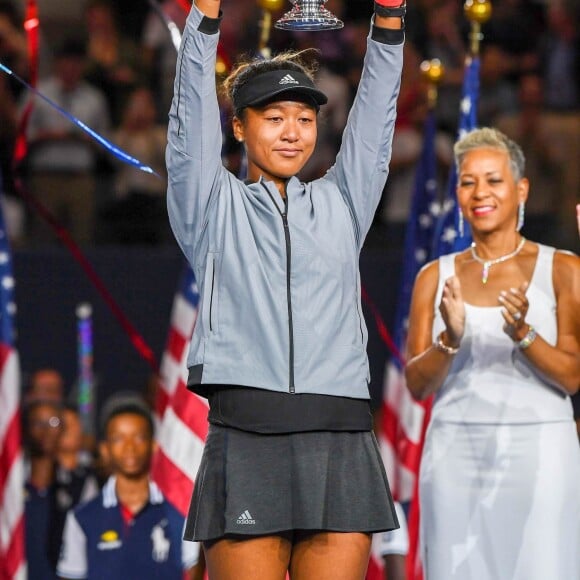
[
  {"x": 521, "y": 212},
  {"x": 461, "y": 227}
]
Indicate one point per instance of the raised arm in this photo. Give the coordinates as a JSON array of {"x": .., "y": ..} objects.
[
  {"x": 194, "y": 138},
  {"x": 361, "y": 166},
  {"x": 210, "y": 8}
]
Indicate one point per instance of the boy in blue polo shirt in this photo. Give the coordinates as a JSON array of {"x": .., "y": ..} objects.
[{"x": 130, "y": 530}]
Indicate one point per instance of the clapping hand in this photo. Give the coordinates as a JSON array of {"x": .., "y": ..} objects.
[
  {"x": 452, "y": 310},
  {"x": 514, "y": 310}
]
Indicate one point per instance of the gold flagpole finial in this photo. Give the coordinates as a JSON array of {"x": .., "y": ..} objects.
[
  {"x": 268, "y": 6},
  {"x": 477, "y": 12},
  {"x": 433, "y": 72}
]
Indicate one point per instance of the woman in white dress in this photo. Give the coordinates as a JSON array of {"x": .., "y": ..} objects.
[{"x": 494, "y": 334}]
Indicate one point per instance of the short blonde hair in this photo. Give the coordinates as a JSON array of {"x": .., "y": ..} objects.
[{"x": 490, "y": 138}]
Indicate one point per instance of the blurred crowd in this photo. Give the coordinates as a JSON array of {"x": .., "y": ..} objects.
[
  {"x": 120, "y": 83},
  {"x": 91, "y": 507}
]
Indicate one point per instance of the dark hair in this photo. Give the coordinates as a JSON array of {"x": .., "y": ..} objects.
[
  {"x": 70, "y": 406},
  {"x": 124, "y": 404},
  {"x": 247, "y": 69},
  {"x": 29, "y": 408}
]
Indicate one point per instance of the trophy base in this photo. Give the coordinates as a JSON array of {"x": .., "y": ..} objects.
[{"x": 298, "y": 20}]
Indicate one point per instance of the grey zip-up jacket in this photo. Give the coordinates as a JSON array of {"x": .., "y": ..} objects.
[{"x": 280, "y": 297}]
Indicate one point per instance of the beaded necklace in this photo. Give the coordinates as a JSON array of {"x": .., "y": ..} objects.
[{"x": 487, "y": 264}]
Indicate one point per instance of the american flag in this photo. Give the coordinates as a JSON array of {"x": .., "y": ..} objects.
[
  {"x": 181, "y": 415},
  {"x": 448, "y": 236},
  {"x": 433, "y": 231},
  {"x": 12, "y": 552},
  {"x": 403, "y": 418}
]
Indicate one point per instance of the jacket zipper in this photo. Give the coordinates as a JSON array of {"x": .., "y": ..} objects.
[{"x": 284, "y": 215}]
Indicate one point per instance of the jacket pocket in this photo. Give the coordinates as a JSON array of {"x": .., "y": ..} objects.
[{"x": 210, "y": 291}]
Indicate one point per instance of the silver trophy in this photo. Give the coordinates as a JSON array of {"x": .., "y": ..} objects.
[{"x": 309, "y": 15}]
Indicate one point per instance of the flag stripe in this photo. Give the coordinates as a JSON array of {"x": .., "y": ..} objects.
[
  {"x": 179, "y": 443},
  {"x": 14, "y": 557},
  {"x": 184, "y": 315},
  {"x": 9, "y": 393},
  {"x": 192, "y": 410},
  {"x": 181, "y": 415},
  {"x": 176, "y": 344},
  {"x": 161, "y": 402},
  {"x": 12, "y": 505},
  {"x": 12, "y": 560},
  {"x": 172, "y": 372},
  {"x": 177, "y": 486},
  {"x": 402, "y": 419},
  {"x": 9, "y": 453}
]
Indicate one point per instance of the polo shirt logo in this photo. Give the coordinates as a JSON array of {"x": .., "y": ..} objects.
[
  {"x": 109, "y": 541},
  {"x": 160, "y": 544}
]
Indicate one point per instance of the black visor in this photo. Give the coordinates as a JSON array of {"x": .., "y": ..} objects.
[{"x": 274, "y": 85}]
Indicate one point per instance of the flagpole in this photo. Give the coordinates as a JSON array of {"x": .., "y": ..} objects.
[
  {"x": 478, "y": 12},
  {"x": 433, "y": 72},
  {"x": 268, "y": 6}
]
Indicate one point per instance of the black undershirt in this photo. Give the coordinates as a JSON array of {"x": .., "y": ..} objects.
[{"x": 263, "y": 411}]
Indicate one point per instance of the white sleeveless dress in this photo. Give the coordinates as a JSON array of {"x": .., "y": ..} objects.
[{"x": 500, "y": 472}]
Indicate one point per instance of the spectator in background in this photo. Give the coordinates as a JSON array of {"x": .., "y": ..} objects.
[
  {"x": 445, "y": 41},
  {"x": 497, "y": 93},
  {"x": 559, "y": 56},
  {"x": 395, "y": 206},
  {"x": 138, "y": 215},
  {"x": 514, "y": 27},
  {"x": 159, "y": 54},
  {"x": 74, "y": 463},
  {"x": 45, "y": 384},
  {"x": 12, "y": 208},
  {"x": 509, "y": 49},
  {"x": 130, "y": 530},
  {"x": 42, "y": 426},
  {"x": 551, "y": 142},
  {"x": 62, "y": 158},
  {"x": 75, "y": 481},
  {"x": 13, "y": 54},
  {"x": 113, "y": 60},
  {"x": 13, "y": 44}
]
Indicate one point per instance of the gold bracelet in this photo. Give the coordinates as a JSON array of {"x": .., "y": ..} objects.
[{"x": 440, "y": 345}]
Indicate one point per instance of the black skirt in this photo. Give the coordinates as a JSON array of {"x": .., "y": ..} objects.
[{"x": 254, "y": 484}]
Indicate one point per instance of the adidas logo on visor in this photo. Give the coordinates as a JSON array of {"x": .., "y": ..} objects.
[{"x": 288, "y": 80}]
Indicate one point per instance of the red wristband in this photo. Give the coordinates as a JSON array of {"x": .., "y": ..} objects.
[
  {"x": 390, "y": 3},
  {"x": 390, "y": 8}
]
